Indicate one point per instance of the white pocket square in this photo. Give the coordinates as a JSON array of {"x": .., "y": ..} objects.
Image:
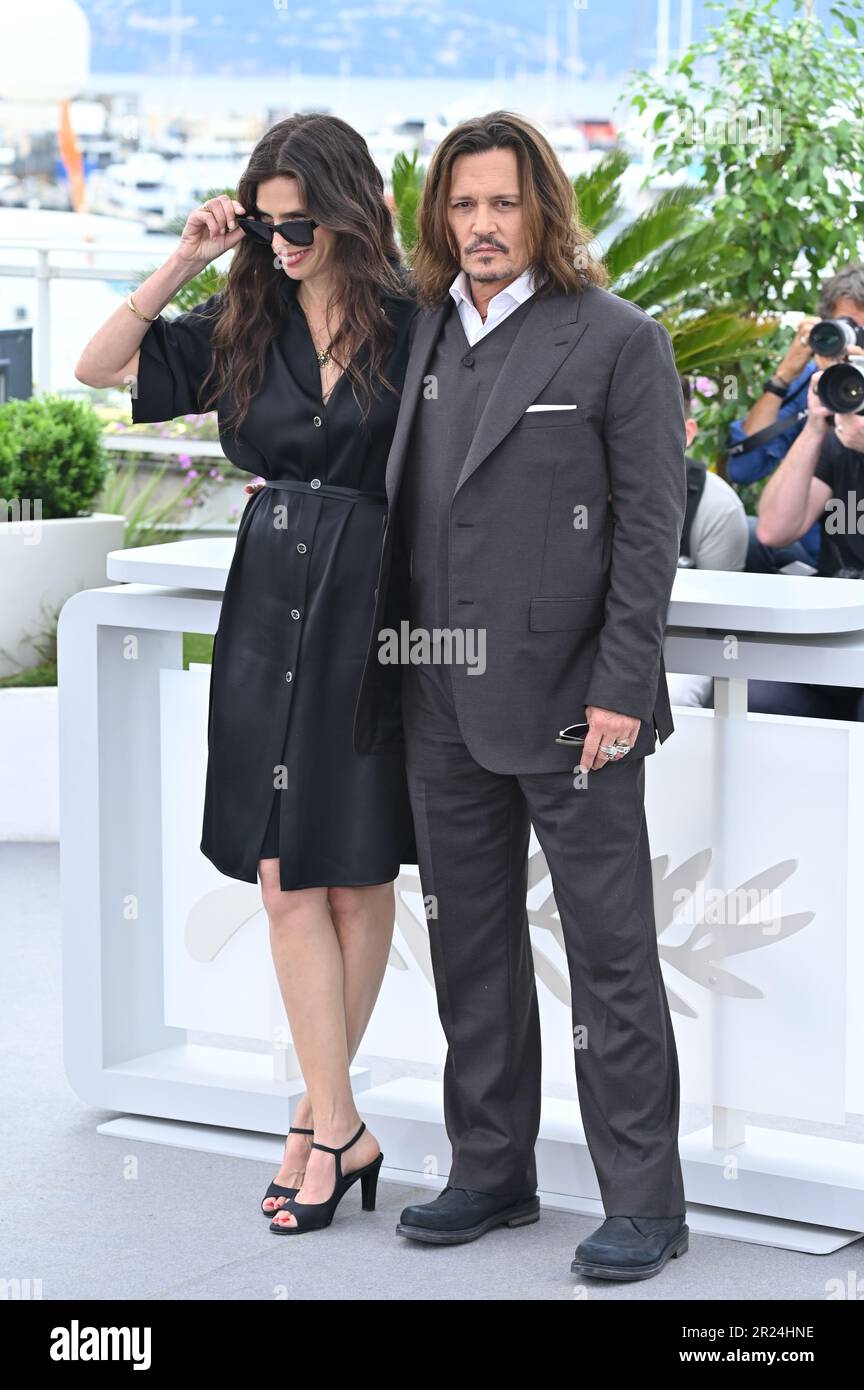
[{"x": 550, "y": 407}]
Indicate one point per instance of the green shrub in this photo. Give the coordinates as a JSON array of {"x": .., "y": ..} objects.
[{"x": 51, "y": 449}]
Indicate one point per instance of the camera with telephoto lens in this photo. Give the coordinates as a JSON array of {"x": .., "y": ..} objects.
[
  {"x": 831, "y": 337},
  {"x": 841, "y": 388}
]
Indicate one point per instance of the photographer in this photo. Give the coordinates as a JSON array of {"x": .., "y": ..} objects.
[
  {"x": 785, "y": 394},
  {"x": 818, "y": 483}
]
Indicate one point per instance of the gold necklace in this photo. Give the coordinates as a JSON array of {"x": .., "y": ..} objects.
[{"x": 323, "y": 354}]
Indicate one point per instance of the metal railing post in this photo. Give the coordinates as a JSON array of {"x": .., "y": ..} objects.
[{"x": 43, "y": 319}]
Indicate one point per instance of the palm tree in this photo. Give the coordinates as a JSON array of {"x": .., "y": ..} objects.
[{"x": 672, "y": 261}]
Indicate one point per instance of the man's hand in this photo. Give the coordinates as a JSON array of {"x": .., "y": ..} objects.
[
  {"x": 605, "y": 726},
  {"x": 817, "y": 412},
  {"x": 799, "y": 351},
  {"x": 849, "y": 429}
]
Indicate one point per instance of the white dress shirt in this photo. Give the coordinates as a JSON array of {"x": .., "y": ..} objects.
[{"x": 499, "y": 306}]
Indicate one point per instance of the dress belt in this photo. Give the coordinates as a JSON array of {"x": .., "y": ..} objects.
[{"x": 348, "y": 494}]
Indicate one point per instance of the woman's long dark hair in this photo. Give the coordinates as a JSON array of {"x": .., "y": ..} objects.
[{"x": 342, "y": 188}]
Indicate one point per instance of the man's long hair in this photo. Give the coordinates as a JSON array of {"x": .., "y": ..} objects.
[
  {"x": 341, "y": 188},
  {"x": 557, "y": 241}
]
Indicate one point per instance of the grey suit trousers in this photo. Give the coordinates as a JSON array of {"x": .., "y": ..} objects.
[{"x": 472, "y": 829}]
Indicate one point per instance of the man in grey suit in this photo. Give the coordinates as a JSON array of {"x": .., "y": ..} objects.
[{"x": 537, "y": 488}]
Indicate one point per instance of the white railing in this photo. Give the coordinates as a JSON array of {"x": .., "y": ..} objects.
[
  {"x": 164, "y": 446},
  {"x": 44, "y": 270}
]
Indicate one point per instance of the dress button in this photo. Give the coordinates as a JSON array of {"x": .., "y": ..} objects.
[
  {"x": 316, "y": 420},
  {"x": 316, "y": 482},
  {"x": 301, "y": 548},
  {"x": 295, "y": 613},
  {"x": 289, "y": 675}
]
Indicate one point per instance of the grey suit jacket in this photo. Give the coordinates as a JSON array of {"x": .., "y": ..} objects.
[{"x": 564, "y": 535}]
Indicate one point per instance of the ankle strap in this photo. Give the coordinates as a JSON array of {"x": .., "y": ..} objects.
[{"x": 327, "y": 1148}]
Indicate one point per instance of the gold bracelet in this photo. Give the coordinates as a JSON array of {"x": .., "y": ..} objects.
[{"x": 138, "y": 313}]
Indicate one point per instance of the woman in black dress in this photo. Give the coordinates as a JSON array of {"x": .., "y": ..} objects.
[{"x": 303, "y": 354}]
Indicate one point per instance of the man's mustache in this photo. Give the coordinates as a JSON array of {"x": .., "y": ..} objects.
[{"x": 484, "y": 244}]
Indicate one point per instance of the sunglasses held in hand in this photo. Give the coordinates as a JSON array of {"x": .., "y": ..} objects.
[
  {"x": 299, "y": 231},
  {"x": 573, "y": 736}
]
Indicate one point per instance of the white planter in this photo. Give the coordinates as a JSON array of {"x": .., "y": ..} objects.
[
  {"x": 42, "y": 563},
  {"x": 28, "y": 764}
]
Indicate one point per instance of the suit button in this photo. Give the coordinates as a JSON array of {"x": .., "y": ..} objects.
[
  {"x": 295, "y": 613},
  {"x": 316, "y": 420},
  {"x": 289, "y": 675},
  {"x": 316, "y": 482},
  {"x": 301, "y": 549}
]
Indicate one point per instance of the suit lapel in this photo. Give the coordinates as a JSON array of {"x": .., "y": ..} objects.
[
  {"x": 549, "y": 332},
  {"x": 425, "y": 338}
]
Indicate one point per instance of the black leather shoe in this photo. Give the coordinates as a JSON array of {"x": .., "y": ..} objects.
[
  {"x": 631, "y": 1247},
  {"x": 458, "y": 1214}
]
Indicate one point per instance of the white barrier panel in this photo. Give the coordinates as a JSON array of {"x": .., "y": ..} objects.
[
  {"x": 756, "y": 825},
  {"x": 752, "y": 950}
]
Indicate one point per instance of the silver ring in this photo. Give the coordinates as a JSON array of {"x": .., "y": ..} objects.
[{"x": 615, "y": 750}]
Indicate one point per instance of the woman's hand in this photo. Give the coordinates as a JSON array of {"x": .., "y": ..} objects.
[
  {"x": 252, "y": 488},
  {"x": 211, "y": 230}
]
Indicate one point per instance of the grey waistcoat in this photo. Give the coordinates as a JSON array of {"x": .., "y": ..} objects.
[{"x": 456, "y": 386}]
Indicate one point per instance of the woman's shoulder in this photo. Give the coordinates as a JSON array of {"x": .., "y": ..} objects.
[
  {"x": 196, "y": 321},
  {"x": 399, "y": 309},
  {"x": 208, "y": 308},
  {"x": 403, "y": 300}
]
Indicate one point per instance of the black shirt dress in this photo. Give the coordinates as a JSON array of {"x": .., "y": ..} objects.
[{"x": 283, "y": 777}]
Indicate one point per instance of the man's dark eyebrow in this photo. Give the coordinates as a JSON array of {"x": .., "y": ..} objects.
[{"x": 456, "y": 196}]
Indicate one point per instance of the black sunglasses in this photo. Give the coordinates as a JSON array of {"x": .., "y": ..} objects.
[
  {"x": 572, "y": 736},
  {"x": 299, "y": 231}
]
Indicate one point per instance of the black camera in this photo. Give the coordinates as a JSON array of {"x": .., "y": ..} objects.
[
  {"x": 841, "y": 388},
  {"x": 831, "y": 337}
]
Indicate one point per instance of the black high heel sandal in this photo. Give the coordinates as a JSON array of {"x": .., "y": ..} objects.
[
  {"x": 313, "y": 1216},
  {"x": 274, "y": 1190}
]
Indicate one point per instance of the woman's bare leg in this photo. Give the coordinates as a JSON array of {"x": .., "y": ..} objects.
[{"x": 330, "y": 951}]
